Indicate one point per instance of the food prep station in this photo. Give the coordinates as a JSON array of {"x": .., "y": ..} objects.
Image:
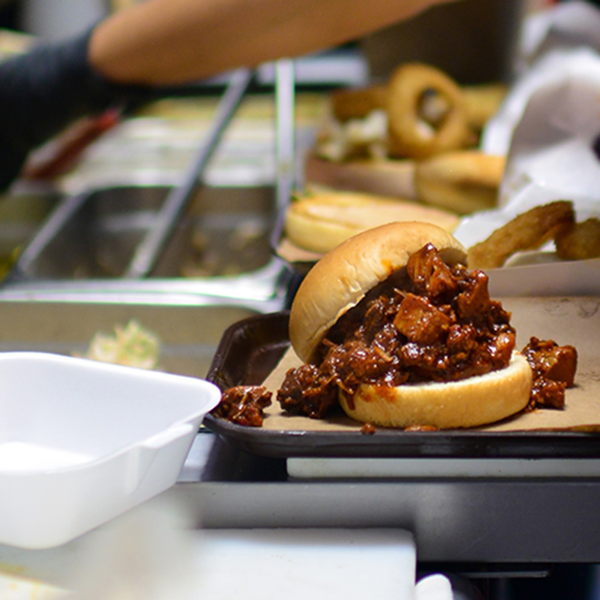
[{"x": 482, "y": 507}]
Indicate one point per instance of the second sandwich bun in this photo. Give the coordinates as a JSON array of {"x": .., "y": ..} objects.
[{"x": 321, "y": 221}]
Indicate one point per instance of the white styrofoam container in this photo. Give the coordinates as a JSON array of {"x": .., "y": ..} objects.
[{"x": 82, "y": 442}]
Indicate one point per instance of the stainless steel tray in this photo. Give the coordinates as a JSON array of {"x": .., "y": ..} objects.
[
  {"x": 251, "y": 349},
  {"x": 483, "y": 521},
  {"x": 21, "y": 215},
  {"x": 189, "y": 335}
]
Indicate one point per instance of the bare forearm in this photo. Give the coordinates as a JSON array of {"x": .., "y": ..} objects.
[{"x": 173, "y": 41}]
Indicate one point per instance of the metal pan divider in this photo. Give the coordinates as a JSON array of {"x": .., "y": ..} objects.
[
  {"x": 285, "y": 115},
  {"x": 286, "y": 177},
  {"x": 150, "y": 248}
]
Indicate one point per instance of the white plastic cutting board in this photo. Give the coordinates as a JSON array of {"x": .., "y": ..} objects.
[{"x": 263, "y": 564}]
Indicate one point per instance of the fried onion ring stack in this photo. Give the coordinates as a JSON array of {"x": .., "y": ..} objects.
[{"x": 414, "y": 132}]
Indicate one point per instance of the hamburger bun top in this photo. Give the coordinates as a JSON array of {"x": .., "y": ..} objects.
[
  {"x": 342, "y": 278},
  {"x": 320, "y": 222}
]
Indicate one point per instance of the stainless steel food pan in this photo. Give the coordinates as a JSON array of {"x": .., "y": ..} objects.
[
  {"x": 21, "y": 215},
  {"x": 94, "y": 235}
]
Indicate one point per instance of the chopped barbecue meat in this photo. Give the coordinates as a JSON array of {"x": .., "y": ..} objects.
[
  {"x": 461, "y": 340},
  {"x": 307, "y": 391},
  {"x": 420, "y": 321},
  {"x": 244, "y": 405},
  {"x": 430, "y": 274},
  {"x": 546, "y": 393},
  {"x": 432, "y": 322},
  {"x": 367, "y": 429},
  {"x": 553, "y": 369},
  {"x": 379, "y": 313},
  {"x": 475, "y": 300}
]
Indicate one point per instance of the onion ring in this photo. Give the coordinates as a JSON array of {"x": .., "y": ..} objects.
[
  {"x": 581, "y": 241},
  {"x": 527, "y": 231},
  {"x": 483, "y": 101},
  {"x": 410, "y": 135}
]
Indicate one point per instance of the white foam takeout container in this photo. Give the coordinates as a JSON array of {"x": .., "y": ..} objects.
[{"x": 82, "y": 442}]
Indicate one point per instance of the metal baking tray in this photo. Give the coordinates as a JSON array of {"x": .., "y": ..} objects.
[{"x": 250, "y": 350}]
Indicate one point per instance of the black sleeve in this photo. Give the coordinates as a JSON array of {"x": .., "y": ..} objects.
[{"x": 46, "y": 89}]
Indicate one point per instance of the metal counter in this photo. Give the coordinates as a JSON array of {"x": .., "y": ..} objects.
[{"x": 493, "y": 522}]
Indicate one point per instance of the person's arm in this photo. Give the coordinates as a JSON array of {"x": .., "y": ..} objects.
[
  {"x": 138, "y": 52},
  {"x": 174, "y": 41}
]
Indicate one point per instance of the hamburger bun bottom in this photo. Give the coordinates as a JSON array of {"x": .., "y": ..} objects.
[{"x": 471, "y": 402}]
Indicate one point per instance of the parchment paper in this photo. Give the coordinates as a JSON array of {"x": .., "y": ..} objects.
[{"x": 574, "y": 321}]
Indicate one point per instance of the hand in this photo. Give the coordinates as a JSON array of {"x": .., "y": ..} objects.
[{"x": 45, "y": 90}]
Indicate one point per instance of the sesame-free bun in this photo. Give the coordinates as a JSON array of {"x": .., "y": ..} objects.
[
  {"x": 462, "y": 181},
  {"x": 341, "y": 279},
  {"x": 320, "y": 222},
  {"x": 470, "y": 402}
]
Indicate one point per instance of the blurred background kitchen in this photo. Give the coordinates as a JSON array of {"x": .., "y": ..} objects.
[
  {"x": 475, "y": 42},
  {"x": 152, "y": 146}
]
